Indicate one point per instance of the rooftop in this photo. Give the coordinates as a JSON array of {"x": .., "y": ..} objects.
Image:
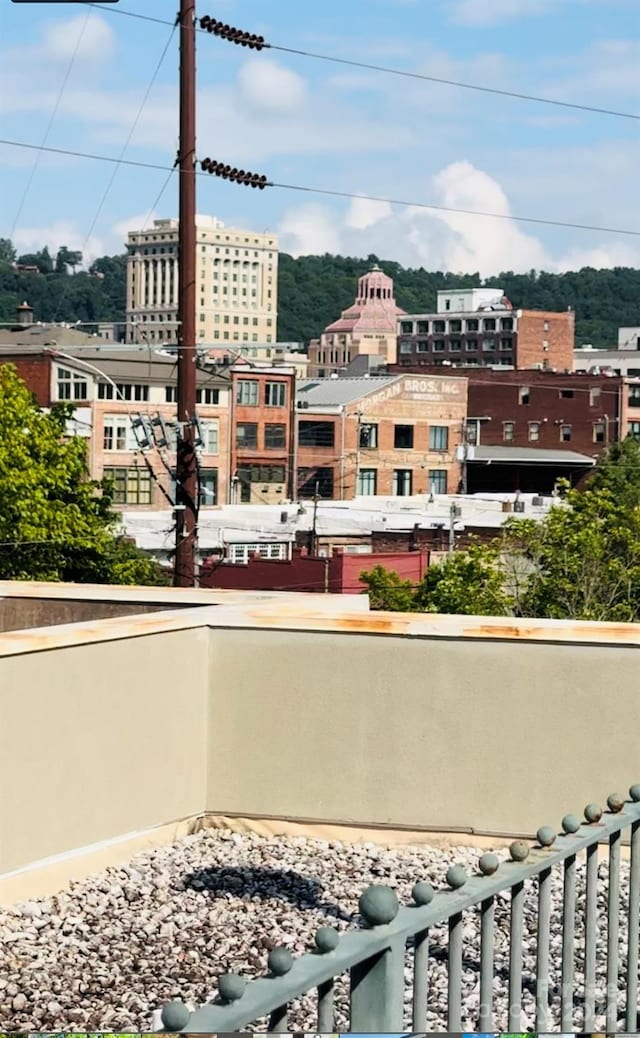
[
  {"x": 335, "y": 392},
  {"x": 529, "y": 456}
]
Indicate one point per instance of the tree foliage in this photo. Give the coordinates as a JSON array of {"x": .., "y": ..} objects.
[
  {"x": 55, "y": 522},
  {"x": 312, "y": 291},
  {"x": 581, "y": 562},
  {"x": 387, "y": 590}
]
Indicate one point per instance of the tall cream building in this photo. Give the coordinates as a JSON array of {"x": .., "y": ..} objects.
[{"x": 237, "y": 295}]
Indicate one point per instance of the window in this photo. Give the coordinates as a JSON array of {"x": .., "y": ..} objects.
[
  {"x": 261, "y": 474},
  {"x": 565, "y": 434},
  {"x": 472, "y": 325},
  {"x": 506, "y": 345},
  {"x": 131, "y": 486},
  {"x": 422, "y": 346},
  {"x": 438, "y": 481},
  {"x": 634, "y": 396},
  {"x": 599, "y": 429},
  {"x": 117, "y": 434},
  {"x": 171, "y": 394},
  {"x": 508, "y": 431},
  {"x": 594, "y": 396},
  {"x": 534, "y": 431},
  {"x": 423, "y": 327},
  {"x": 316, "y": 434},
  {"x": 247, "y": 393},
  {"x": 524, "y": 395},
  {"x": 71, "y": 385},
  {"x": 439, "y": 327},
  {"x": 472, "y": 345},
  {"x": 208, "y": 396},
  {"x": 275, "y": 436},
  {"x": 368, "y": 436},
  {"x": 406, "y": 327},
  {"x": 123, "y": 391},
  {"x": 315, "y": 480},
  {"x": 447, "y": 304},
  {"x": 402, "y": 482},
  {"x": 634, "y": 430},
  {"x": 488, "y": 345},
  {"x": 455, "y": 326},
  {"x": 405, "y": 346},
  {"x": 438, "y": 345},
  {"x": 208, "y": 484},
  {"x": 438, "y": 438},
  {"x": 507, "y": 324},
  {"x": 489, "y": 324},
  {"x": 403, "y": 437},
  {"x": 455, "y": 345},
  {"x": 210, "y": 432},
  {"x": 239, "y": 554},
  {"x": 247, "y": 435},
  {"x": 367, "y": 482},
  {"x": 546, "y": 326},
  {"x": 566, "y": 394},
  {"x": 275, "y": 394}
]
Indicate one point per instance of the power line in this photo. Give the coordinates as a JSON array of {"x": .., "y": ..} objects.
[
  {"x": 403, "y": 73},
  {"x": 127, "y": 142},
  {"x": 343, "y": 194},
  {"x": 50, "y": 123}
]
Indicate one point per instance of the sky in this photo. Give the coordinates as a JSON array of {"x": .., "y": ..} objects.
[{"x": 77, "y": 75}]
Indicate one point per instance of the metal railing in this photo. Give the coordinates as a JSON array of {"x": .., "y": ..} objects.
[{"x": 384, "y": 995}]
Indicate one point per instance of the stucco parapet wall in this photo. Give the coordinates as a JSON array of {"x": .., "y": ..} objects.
[{"x": 328, "y": 614}]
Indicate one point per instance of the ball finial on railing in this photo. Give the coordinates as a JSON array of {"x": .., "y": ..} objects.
[
  {"x": 422, "y": 893},
  {"x": 546, "y": 836},
  {"x": 570, "y": 824},
  {"x": 279, "y": 962},
  {"x": 519, "y": 850},
  {"x": 593, "y": 813},
  {"x": 231, "y": 987},
  {"x": 634, "y": 792},
  {"x": 456, "y": 877},
  {"x": 175, "y": 1016},
  {"x": 378, "y": 905},
  {"x": 326, "y": 939},
  {"x": 615, "y": 803},
  {"x": 489, "y": 864}
]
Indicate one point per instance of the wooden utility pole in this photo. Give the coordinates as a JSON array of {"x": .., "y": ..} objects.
[{"x": 186, "y": 463}]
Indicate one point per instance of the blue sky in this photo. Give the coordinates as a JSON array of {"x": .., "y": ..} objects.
[{"x": 320, "y": 124}]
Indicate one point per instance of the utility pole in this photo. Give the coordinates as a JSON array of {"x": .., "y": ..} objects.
[{"x": 186, "y": 464}]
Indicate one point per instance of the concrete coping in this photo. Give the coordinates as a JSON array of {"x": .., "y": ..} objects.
[{"x": 318, "y": 613}]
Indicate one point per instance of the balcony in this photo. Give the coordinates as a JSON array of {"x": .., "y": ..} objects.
[{"x": 132, "y": 718}]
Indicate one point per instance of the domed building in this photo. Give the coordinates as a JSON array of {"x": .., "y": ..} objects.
[{"x": 368, "y": 327}]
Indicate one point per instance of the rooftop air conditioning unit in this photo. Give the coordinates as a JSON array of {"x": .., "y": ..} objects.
[{"x": 537, "y": 502}]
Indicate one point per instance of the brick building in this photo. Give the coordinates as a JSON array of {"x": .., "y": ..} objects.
[
  {"x": 366, "y": 328},
  {"x": 262, "y": 445},
  {"x": 125, "y": 409},
  {"x": 336, "y": 573},
  {"x": 478, "y": 327},
  {"x": 389, "y": 436}
]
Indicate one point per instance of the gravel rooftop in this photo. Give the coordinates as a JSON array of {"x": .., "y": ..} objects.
[{"x": 108, "y": 951}]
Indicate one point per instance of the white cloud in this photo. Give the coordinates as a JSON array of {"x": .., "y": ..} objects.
[
  {"x": 482, "y": 13},
  {"x": 61, "y": 232},
  {"x": 365, "y": 213},
  {"x": 310, "y": 229},
  {"x": 267, "y": 86},
  {"x": 442, "y": 240},
  {"x": 85, "y": 37}
]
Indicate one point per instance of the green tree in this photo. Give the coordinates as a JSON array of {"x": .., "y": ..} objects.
[
  {"x": 55, "y": 522},
  {"x": 583, "y": 558},
  {"x": 42, "y": 260},
  {"x": 468, "y": 582},
  {"x": 7, "y": 253},
  {"x": 66, "y": 258},
  {"x": 387, "y": 590},
  {"x": 618, "y": 471}
]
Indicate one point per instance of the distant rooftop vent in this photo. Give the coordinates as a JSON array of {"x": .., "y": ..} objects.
[{"x": 24, "y": 314}]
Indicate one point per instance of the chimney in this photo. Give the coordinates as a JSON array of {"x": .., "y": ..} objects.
[{"x": 24, "y": 314}]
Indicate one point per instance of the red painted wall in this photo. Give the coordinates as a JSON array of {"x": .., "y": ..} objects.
[{"x": 339, "y": 574}]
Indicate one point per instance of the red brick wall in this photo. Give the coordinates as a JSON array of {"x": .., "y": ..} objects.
[
  {"x": 537, "y": 327},
  {"x": 496, "y": 394},
  {"x": 35, "y": 371},
  {"x": 337, "y": 575}
]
